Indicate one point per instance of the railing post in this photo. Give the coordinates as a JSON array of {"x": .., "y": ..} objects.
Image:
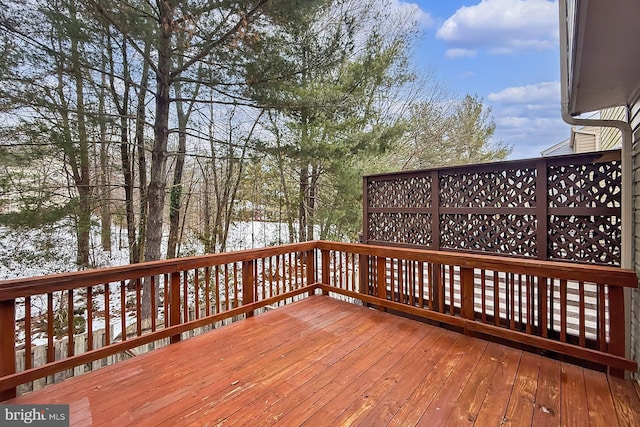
[
  {"x": 437, "y": 293},
  {"x": 248, "y": 296},
  {"x": 325, "y": 269},
  {"x": 363, "y": 270},
  {"x": 174, "y": 305},
  {"x": 466, "y": 290},
  {"x": 617, "y": 337},
  {"x": 542, "y": 306},
  {"x": 8, "y": 344},
  {"x": 382, "y": 280},
  {"x": 542, "y": 209},
  {"x": 310, "y": 261}
]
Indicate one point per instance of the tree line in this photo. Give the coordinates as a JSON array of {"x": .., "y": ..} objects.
[{"x": 181, "y": 117}]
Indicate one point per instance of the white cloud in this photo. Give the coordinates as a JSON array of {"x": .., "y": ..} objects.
[
  {"x": 512, "y": 122},
  {"x": 503, "y": 26},
  {"x": 539, "y": 93},
  {"x": 413, "y": 11},
  {"x": 460, "y": 53},
  {"x": 528, "y": 117}
]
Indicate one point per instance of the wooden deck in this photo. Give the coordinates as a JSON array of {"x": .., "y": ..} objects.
[{"x": 325, "y": 362}]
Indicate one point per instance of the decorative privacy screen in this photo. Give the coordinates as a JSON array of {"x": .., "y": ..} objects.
[{"x": 558, "y": 208}]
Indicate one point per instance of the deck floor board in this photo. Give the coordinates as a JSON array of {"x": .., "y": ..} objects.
[{"x": 321, "y": 361}]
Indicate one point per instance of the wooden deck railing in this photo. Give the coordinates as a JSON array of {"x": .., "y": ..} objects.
[
  {"x": 572, "y": 309},
  {"x": 184, "y": 294}
]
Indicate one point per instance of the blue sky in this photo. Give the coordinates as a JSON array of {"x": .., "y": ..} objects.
[{"x": 505, "y": 51}]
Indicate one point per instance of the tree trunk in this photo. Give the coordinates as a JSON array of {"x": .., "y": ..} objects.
[
  {"x": 157, "y": 182},
  {"x": 142, "y": 156},
  {"x": 302, "y": 197},
  {"x": 83, "y": 184},
  {"x": 175, "y": 202},
  {"x": 311, "y": 203},
  {"x": 176, "y": 189},
  {"x": 206, "y": 232},
  {"x": 105, "y": 193},
  {"x": 125, "y": 155}
]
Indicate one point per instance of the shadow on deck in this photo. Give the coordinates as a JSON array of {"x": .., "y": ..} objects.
[{"x": 321, "y": 361}]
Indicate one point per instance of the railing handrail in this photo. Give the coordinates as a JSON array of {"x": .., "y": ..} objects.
[
  {"x": 612, "y": 276},
  {"x": 23, "y": 287}
]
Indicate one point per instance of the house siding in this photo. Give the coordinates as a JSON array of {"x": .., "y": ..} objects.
[
  {"x": 635, "y": 295},
  {"x": 610, "y": 137},
  {"x": 585, "y": 143}
]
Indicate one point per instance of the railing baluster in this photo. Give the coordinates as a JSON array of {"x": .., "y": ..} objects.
[
  {"x": 264, "y": 279},
  {"x": 138, "y": 307},
  {"x": 271, "y": 276},
  {"x": 364, "y": 276},
  {"x": 107, "y": 314},
  {"x": 342, "y": 272},
  {"x": 581, "y": 315},
  {"x": 440, "y": 286},
  {"x": 207, "y": 290},
  {"x": 226, "y": 286},
  {"x": 528, "y": 297},
  {"x": 196, "y": 303},
  {"x": 483, "y": 295},
  {"x": 355, "y": 272},
  {"x": 70, "y": 324},
  {"x": 543, "y": 309},
  {"x": 297, "y": 269},
  {"x": 563, "y": 310},
  {"x": 520, "y": 302},
  {"x": 344, "y": 267},
  {"x": 334, "y": 269},
  {"x": 382, "y": 279},
  {"x": 236, "y": 296},
  {"x": 420, "y": 284},
  {"x": 289, "y": 268},
  {"x": 185, "y": 297},
  {"x": 401, "y": 281},
  {"x": 512, "y": 300},
  {"x": 283, "y": 286},
  {"x": 51, "y": 355},
  {"x": 451, "y": 291},
  {"x": 496, "y": 298},
  {"x": 28, "y": 362},
  {"x": 89, "y": 318},
  {"x": 123, "y": 311},
  {"x": 166, "y": 302},
  {"x": 430, "y": 285},
  {"x": 154, "y": 307},
  {"x": 392, "y": 281},
  {"x": 602, "y": 340},
  {"x": 412, "y": 282},
  {"x": 217, "y": 290}
]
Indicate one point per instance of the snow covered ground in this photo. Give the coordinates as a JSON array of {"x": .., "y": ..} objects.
[{"x": 28, "y": 253}]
